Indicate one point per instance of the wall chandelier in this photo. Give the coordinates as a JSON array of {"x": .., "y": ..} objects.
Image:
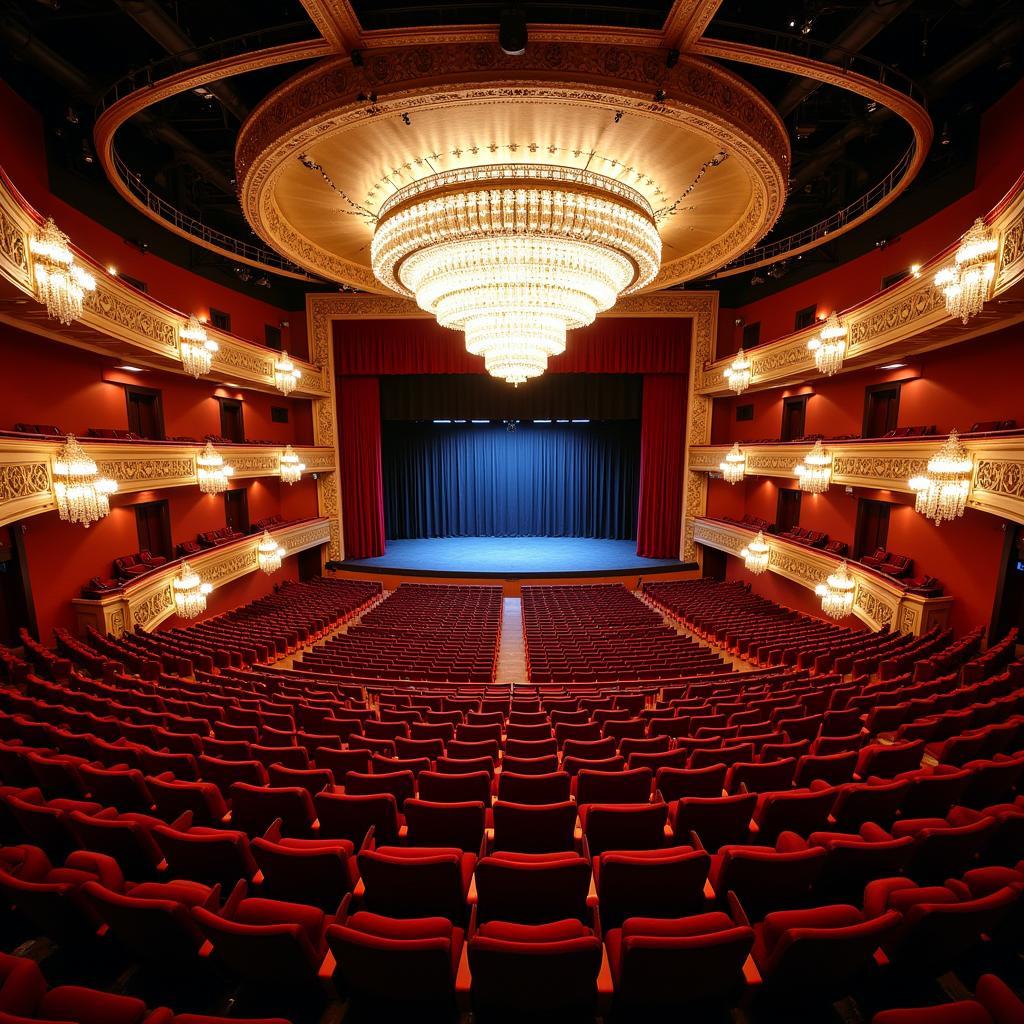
[
  {"x": 189, "y": 592},
  {"x": 60, "y": 281},
  {"x": 734, "y": 465},
  {"x": 814, "y": 474},
  {"x": 83, "y": 496},
  {"x": 837, "y": 592},
  {"x": 943, "y": 489},
  {"x": 269, "y": 553},
  {"x": 515, "y": 255},
  {"x": 286, "y": 374},
  {"x": 291, "y": 467},
  {"x": 196, "y": 348},
  {"x": 737, "y": 374},
  {"x": 212, "y": 472},
  {"x": 966, "y": 284},
  {"x": 755, "y": 555},
  {"x": 829, "y": 346}
]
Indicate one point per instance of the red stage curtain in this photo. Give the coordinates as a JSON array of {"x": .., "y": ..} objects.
[
  {"x": 362, "y": 491},
  {"x": 612, "y": 345},
  {"x": 662, "y": 437}
]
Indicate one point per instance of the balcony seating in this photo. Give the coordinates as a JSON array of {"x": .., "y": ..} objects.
[
  {"x": 108, "y": 434},
  {"x": 920, "y": 431},
  {"x": 130, "y": 567},
  {"x": 810, "y": 538},
  {"x": 187, "y": 549},
  {"x": 39, "y": 429},
  {"x": 267, "y": 523},
  {"x": 212, "y": 538}
]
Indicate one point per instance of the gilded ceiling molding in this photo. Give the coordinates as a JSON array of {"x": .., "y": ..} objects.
[
  {"x": 878, "y": 602},
  {"x": 905, "y": 320},
  {"x": 336, "y": 21},
  {"x": 26, "y": 473},
  {"x": 687, "y": 22},
  {"x": 997, "y": 486},
  {"x": 147, "y": 602},
  {"x": 912, "y": 113}
]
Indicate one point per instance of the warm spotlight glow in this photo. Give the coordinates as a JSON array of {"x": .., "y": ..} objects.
[
  {"x": 829, "y": 345},
  {"x": 189, "y": 592},
  {"x": 755, "y": 555},
  {"x": 737, "y": 374},
  {"x": 291, "y": 467},
  {"x": 269, "y": 554},
  {"x": 837, "y": 593},
  {"x": 212, "y": 472},
  {"x": 967, "y": 283}
]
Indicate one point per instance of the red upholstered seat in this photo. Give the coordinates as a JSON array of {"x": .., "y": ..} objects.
[
  {"x": 350, "y": 816},
  {"x": 650, "y": 883},
  {"x": 459, "y": 824},
  {"x": 314, "y": 871},
  {"x": 417, "y": 881},
  {"x": 532, "y": 888},
  {"x": 715, "y": 820},
  {"x": 441, "y": 787},
  {"x": 534, "y": 828},
  {"x": 210, "y": 855}
]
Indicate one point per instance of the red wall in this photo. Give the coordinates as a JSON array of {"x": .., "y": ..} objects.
[{"x": 1000, "y": 160}]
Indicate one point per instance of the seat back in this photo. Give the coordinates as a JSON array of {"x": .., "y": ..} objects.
[
  {"x": 716, "y": 820},
  {"x": 532, "y": 888},
  {"x": 316, "y": 874},
  {"x": 350, "y": 816},
  {"x": 651, "y": 883},
  {"x": 549, "y": 788},
  {"x": 441, "y": 787},
  {"x": 445, "y": 824},
  {"x": 625, "y": 827},
  {"x": 211, "y": 856},
  {"x": 534, "y": 828},
  {"x": 407, "y": 882}
]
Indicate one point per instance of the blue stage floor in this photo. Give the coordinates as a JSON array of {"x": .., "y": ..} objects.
[{"x": 512, "y": 555}]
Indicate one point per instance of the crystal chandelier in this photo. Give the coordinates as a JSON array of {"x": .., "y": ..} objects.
[
  {"x": 836, "y": 593},
  {"x": 737, "y": 375},
  {"x": 83, "y": 496},
  {"x": 734, "y": 465},
  {"x": 755, "y": 555},
  {"x": 515, "y": 255},
  {"x": 196, "y": 348},
  {"x": 269, "y": 553},
  {"x": 60, "y": 281},
  {"x": 943, "y": 489},
  {"x": 291, "y": 468},
  {"x": 966, "y": 283},
  {"x": 213, "y": 473},
  {"x": 189, "y": 592},
  {"x": 286, "y": 374},
  {"x": 815, "y": 472},
  {"x": 829, "y": 346}
]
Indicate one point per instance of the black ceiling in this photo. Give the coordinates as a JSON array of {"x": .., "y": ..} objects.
[{"x": 63, "y": 55}]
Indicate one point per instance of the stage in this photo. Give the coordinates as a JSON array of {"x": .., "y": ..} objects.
[{"x": 513, "y": 558}]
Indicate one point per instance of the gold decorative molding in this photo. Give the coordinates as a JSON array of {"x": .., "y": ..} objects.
[
  {"x": 150, "y": 600},
  {"x": 121, "y": 322},
  {"x": 26, "y": 474},
  {"x": 877, "y": 601},
  {"x": 903, "y": 320},
  {"x": 997, "y": 484}
]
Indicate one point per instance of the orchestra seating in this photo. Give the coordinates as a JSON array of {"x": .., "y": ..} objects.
[{"x": 843, "y": 819}]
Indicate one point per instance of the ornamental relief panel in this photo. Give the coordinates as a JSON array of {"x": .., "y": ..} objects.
[
  {"x": 1013, "y": 248},
  {"x": 999, "y": 477},
  {"x": 769, "y": 464},
  {"x": 153, "y": 607},
  {"x": 874, "y": 607},
  {"x": 138, "y": 318},
  {"x": 235, "y": 357},
  {"x": 23, "y": 480},
  {"x": 880, "y": 469},
  {"x": 255, "y": 464},
  {"x": 895, "y": 316},
  {"x": 790, "y": 564},
  {"x": 14, "y": 248},
  {"x": 146, "y": 470}
]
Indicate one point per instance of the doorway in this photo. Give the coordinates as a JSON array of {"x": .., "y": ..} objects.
[
  {"x": 881, "y": 409},
  {"x": 16, "y": 605},
  {"x": 1009, "y": 603},
  {"x": 232, "y": 425},
  {"x": 309, "y": 563},
  {"x": 794, "y": 415},
  {"x": 145, "y": 413},
  {"x": 236, "y": 510},
  {"x": 153, "y": 523},
  {"x": 787, "y": 514},
  {"x": 713, "y": 564},
  {"x": 872, "y": 530}
]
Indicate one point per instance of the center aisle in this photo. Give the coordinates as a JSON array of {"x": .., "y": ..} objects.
[{"x": 512, "y": 652}]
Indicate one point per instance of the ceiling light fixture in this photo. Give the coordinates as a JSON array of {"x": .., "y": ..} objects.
[
  {"x": 197, "y": 349},
  {"x": 190, "y": 592},
  {"x": 734, "y": 465},
  {"x": 83, "y": 496},
  {"x": 269, "y": 553},
  {"x": 829, "y": 345},
  {"x": 212, "y": 472},
  {"x": 814, "y": 474},
  {"x": 837, "y": 593},
  {"x": 755, "y": 555},
  {"x": 942, "y": 491},
  {"x": 737, "y": 374},
  {"x": 515, "y": 255},
  {"x": 966, "y": 283},
  {"x": 291, "y": 467},
  {"x": 60, "y": 281},
  {"x": 286, "y": 375}
]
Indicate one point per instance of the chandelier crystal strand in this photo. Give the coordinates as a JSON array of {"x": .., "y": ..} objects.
[
  {"x": 197, "y": 349},
  {"x": 737, "y": 375},
  {"x": 734, "y": 465},
  {"x": 814, "y": 474},
  {"x": 60, "y": 281},
  {"x": 83, "y": 496},
  {"x": 286, "y": 375},
  {"x": 190, "y": 592},
  {"x": 837, "y": 593},
  {"x": 516, "y": 255},
  {"x": 943, "y": 490},
  {"x": 269, "y": 553},
  {"x": 291, "y": 467},
  {"x": 755, "y": 555},
  {"x": 212, "y": 471},
  {"x": 967, "y": 283},
  {"x": 829, "y": 347}
]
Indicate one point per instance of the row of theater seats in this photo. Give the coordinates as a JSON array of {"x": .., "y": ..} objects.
[
  {"x": 418, "y": 632},
  {"x": 604, "y": 633}
]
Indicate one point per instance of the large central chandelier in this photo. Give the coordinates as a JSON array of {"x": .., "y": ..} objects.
[
  {"x": 189, "y": 592},
  {"x": 837, "y": 592},
  {"x": 733, "y": 466},
  {"x": 815, "y": 473},
  {"x": 212, "y": 472},
  {"x": 829, "y": 346},
  {"x": 755, "y": 555},
  {"x": 943, "y": 489},
  {"x": 737, "y": 374},
  {"x": 966, "y": 283},
  {"x": 83, "y": 496},
  {"x": 60, "y": 281},
  {"x": 197, "y": 349},
  {"x": 515, "y": 255},
  {"x": 269, "y": 553}
]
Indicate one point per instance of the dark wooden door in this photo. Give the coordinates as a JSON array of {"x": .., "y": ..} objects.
[
  {"x": 881, "y": 409},
  {"x": 872, "y": 526},
  {"x": 794, "y": 415},
  {"x": 788, "y": 512},
  {"x": 236, "y": 509}
]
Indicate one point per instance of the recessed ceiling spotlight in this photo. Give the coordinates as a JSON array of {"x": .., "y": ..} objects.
[
  {"x": 131, "y": 369},
  {"x": 893, "y": 366}
]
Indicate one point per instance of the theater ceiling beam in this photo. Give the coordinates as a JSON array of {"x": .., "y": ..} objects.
[
  {"x": 336, "y": 21},
  {"x": 25, "y": 46},
  {"x": 687, "y": 22},
  {"x": 875, "y": 17},
  {"x": 163, "y": 29},
  {"x": 934, "y": 86}
]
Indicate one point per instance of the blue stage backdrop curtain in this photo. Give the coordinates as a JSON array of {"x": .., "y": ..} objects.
[
  {"x": 550, "y": 480},
  {"x": 360, "y": 448},
  {"x": 662, "y": 437}
]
